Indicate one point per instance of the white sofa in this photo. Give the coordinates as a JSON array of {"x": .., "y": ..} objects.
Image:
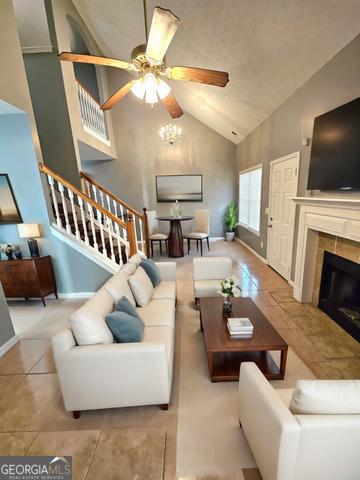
[
  {"x": 295, "y": 447},
  {"x": 112, "y": 374},
  {"x": 207, "y": 274}
]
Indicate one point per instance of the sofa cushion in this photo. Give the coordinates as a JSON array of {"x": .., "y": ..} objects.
[
  {"x": 165, "y": 289},
  {"x": 124, "y": 305},
  {"x": 125, "y": 328},
  {"x": 118, "y": 286},
  {"x": 206, "y": 288},
  {"x": 88, "y": 322},
  {"x": 158, "y": 313},
  {"x": 151, "y": 270},
  {"x": 212, "y": 268},
  {"x": 162, "y": 335},
  {"x": 326, "y": 397},
  {"x": 141, "y": 287},
  {"x": 285, "y": 395}
]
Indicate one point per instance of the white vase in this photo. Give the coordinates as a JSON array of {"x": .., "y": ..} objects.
[{"x": 229, "y": 236}]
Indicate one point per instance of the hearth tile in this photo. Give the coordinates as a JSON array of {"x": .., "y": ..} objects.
[
  {"x": 315, "y": 299},
  {"x": 348, "y": 249},
  {"x": 326, "y": 242},
  {"x": 331, "y": 347},
  {"x": 347, "y": 368}
]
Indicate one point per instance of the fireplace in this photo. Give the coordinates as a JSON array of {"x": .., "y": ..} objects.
[{"x": 339, "y": 294}]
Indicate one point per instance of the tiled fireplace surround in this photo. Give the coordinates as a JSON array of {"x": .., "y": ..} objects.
[
  {"x": 342, "y": 247},
  {"x": 331, "y": 224}
]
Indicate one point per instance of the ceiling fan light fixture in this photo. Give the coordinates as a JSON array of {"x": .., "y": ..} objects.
[
  {"x": 163, "y": 89},
  {"x": 138, "y": 89},
  {"x": 150, "y": 83}
]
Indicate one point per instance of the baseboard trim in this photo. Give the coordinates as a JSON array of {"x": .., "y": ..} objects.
[
  {"x": 257, "y": 255},
  {"x": 7, "y": 345},
  {"x": 213, "y": 239},
  {"x": 291, "y": 283},
  {"x": 75, "y": 295}
]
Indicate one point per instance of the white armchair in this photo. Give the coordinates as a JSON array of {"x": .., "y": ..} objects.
[
  {"x": 295, "y": 447},
  {"x": 208, "y": 271}
]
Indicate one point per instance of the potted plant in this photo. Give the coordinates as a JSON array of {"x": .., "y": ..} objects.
[{"x": 231, "y": 220}]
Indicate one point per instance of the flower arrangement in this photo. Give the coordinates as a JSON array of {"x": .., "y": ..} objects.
[
  {"x": 8, "y": 249},
  {"x": 229, "y": 287}
]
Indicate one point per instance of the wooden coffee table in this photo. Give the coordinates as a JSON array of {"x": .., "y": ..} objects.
[{"x": 225, "y": 354}]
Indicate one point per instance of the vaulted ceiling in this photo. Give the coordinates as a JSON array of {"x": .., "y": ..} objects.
[{"x": 269, "y": 48}]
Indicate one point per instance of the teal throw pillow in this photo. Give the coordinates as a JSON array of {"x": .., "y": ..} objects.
[
  {"x": 124, "y": 305},
  {"x": 125, "y": 327},
  {"x": 151, "y": 270}
]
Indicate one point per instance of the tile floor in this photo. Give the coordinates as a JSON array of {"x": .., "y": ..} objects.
[{"x": 31, "y": 410}]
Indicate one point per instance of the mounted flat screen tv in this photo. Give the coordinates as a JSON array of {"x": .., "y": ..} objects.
[
  {"x": 335, "y": 152},
  {"x": 184, "y": 188}
]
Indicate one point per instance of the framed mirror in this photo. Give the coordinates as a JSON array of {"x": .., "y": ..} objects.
[
  {"x": 184, "y": 188},
  {"x": 9, "y": 211}
]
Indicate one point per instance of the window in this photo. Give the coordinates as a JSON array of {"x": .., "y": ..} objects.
[{"x": 250, "y": 199}]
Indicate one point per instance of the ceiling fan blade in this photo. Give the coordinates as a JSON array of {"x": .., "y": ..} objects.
[
  {"x": 201, "y": 75},
  {"x": 163, "y": 28},
  {"x": 118, "y": 96},
  {"x": 172, "y": 106},
  {"x": 109, "y": 62}
]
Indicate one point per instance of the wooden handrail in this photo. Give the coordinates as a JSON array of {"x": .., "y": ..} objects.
[
  {"x": 45, "y": 169},
  {"x": 111, "y": 195}
]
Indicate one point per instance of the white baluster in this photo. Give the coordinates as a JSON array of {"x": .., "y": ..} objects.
[
  {"x": 95, "y": 193},
  {"x": 136, "y": 235},
  {"x": 102, "y": 199},
  {"x": 119, "y": 244},
  {"x": 92, "y": 225},
  {"x": 73, "y": 210},
  {"x": 111, "y": 232},
  {"x": 115, "y": 208},
  {"x": 108, "y": 203},
  {"x": 99, "y": 218},
  {"x": 83, "y": 220},
  {"x": 141, "y": 234},
  {"x": 53, "y": 194},
  {"x": 63, "y": 201}
]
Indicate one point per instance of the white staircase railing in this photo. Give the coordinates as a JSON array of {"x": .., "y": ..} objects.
[
  {"x": 120, "y": 209},
  {"x": 92, "y": 117},
  {"x": 89, "y": 222}
]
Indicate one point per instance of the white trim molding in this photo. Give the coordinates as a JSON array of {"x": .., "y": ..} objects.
[
  {"x": 257, "y": 255},
  {"x": 335, "y": 216},
  {"x": 7, "y": 345}
]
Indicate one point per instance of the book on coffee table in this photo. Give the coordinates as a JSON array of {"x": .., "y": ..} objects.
[{"x": 240, "y": 327}]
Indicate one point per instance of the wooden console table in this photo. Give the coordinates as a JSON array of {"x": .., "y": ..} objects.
[{"x": 28, "y": 277}]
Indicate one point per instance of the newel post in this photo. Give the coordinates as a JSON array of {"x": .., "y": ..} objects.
[
  {"x": 146, "y": 230},
  {"x": 131, "y": 234}
]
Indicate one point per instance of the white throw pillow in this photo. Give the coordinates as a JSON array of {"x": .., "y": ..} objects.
[
  {"x": 141, "y": 287},
  {"x": 88, "y": 322},
  {"x": 118, "y": 286},
  {"x": 326, "y": 397}
]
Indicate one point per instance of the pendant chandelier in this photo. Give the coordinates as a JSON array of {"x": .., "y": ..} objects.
[{"x": 170, "y": 134}]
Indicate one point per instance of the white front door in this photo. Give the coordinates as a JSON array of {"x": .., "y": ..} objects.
[{"x": 281, "y": 218}]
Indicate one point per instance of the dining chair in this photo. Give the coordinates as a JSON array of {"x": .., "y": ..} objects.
[
  {"x": 154, "y": 234},
  {"x": 202, "y": 227}
]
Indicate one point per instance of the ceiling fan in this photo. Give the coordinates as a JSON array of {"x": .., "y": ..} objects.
[{"x": 149, "y": 62}]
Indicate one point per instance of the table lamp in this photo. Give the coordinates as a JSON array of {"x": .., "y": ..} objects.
[{"x": 29, "y": 231}]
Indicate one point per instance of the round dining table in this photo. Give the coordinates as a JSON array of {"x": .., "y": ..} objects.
[{"x": 176, "y": 241}]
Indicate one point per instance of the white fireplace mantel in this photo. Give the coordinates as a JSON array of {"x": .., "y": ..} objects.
[{"x": 336, "y": 216}]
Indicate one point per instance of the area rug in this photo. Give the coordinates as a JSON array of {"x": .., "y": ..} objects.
[{"x": 210, "y": 443}]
